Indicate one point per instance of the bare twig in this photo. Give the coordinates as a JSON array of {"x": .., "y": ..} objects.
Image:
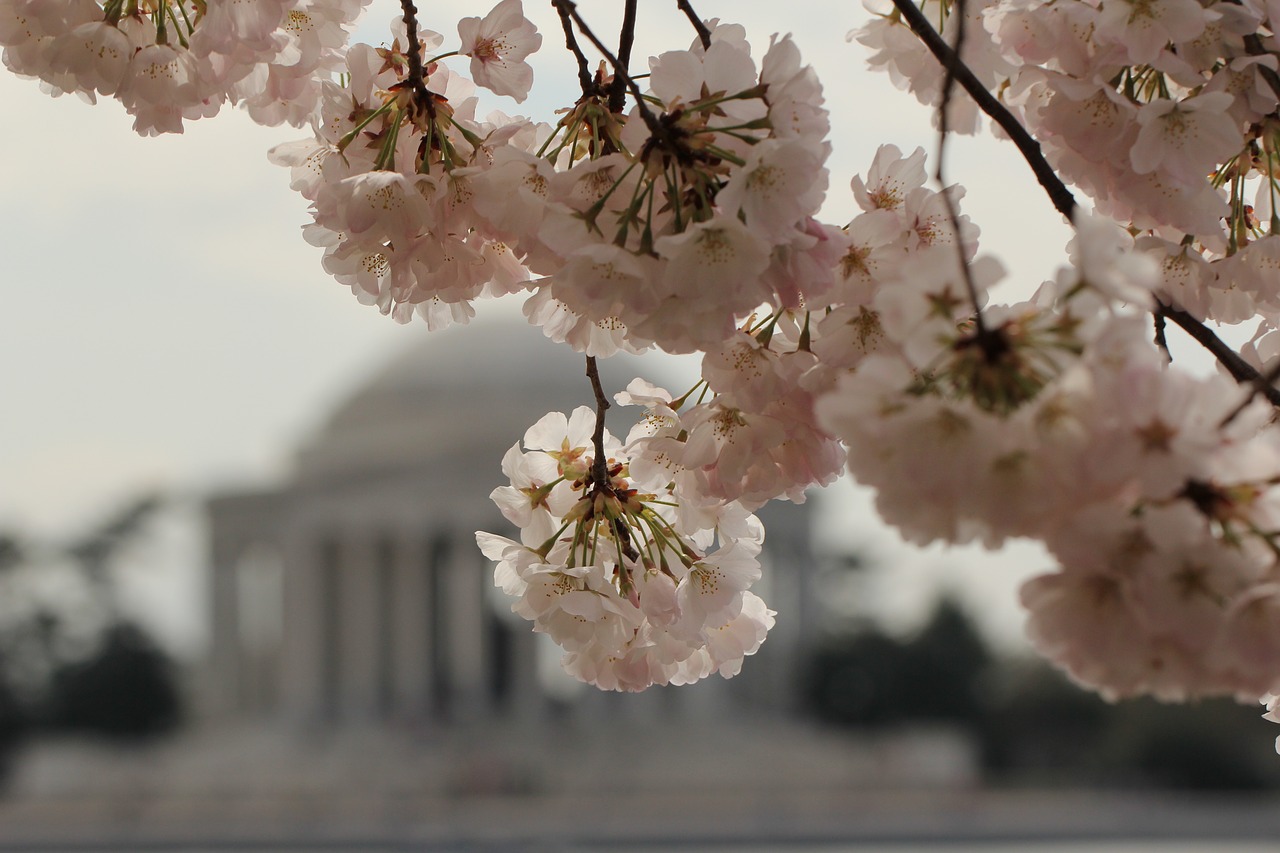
[
  {"x": 704, "y": 34},
  {"x": 571, "y": 42},
  {"x": 1239, "y": 369},
  {"x": 417, "y": 79},
  {"x": 600, "y": 473},
  {"x": 1253, "y": 44},
  {"x": 1063, "y": 201},
  {"x": 1158, "y": 318},
  {"x": 952, "y": 65},
  {"x": 618, "y": 91},
  {"x": 600, "y": 465},
  {"x": 1261, "y": 385},
  {"x": 650, "y": 120}
]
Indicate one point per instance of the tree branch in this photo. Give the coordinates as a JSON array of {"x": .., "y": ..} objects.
[
  {"x": 417, "y": 79},
  {"x": 1063, "y": 201},
  {"x": 1239, "y": 369},
  {"x": 571, "y": 42},
  {"x": 618, "y": 91},
  {"x": 1061, "y": 197},
  {"x": 600, "y": 465},
  {"x": 952, "y": 66},
  {"x": 650, "y": 120},
  {"x": 704, "y": 34},
  {"x": 1158, "y": 318}
]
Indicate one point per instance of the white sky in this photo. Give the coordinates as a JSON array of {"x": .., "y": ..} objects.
[{"x": 165, "y": 326}]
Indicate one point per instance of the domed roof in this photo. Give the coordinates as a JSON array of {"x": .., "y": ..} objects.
[{"x": 470, "y": 392}]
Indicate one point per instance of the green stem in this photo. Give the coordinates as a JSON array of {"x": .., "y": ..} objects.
[{"x": 355, "y": 131}]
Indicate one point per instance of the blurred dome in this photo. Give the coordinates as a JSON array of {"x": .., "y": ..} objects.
[{"x": 466, "y": 394}]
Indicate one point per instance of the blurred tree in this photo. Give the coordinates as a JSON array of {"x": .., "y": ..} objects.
[
  {"x": 1039, "y": 728},
  {"x": 1208, "y": 745},
  {"x": 11, "y": 552},
  {"x": 128, "y": 689},
  {"x": 1032, "y": 726},
  {"x": 856, "y": 680},
  {"x": 74, "y": 662},
  {"x": 94, "y": 551},
  {"x": 869, "y": 678}
]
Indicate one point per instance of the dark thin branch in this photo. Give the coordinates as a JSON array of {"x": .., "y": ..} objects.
[
  {"x": 618, "y": 91},
  {"x": 1062, "y": 199},
  {"x": 952, "y": 65},
  {"x": 417, "y": 78},
  {"x": 1254, "y": 45},
  {"x": 600, "y": 474},
  {"x": 571, "y": 42},
  {"x": 600, "y": 465},
  {"x": 704, "y": 34},
  {"x": 1261, "y": 386},
  {"x": 1239, "y": 369},
  {"x": 650, "y": 120},
  {"x": 1158, "y": 317}
]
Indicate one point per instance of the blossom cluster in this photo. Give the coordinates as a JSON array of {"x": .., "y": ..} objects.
[
  {"x": 1057, "y": 418},
  {"x": 1162, "y": 112},
  {"x": 684, "y": 216},
  {"x": 170, "y": 61},
  {"x": 638, "y": 587},
  {"x": 1154, "y": 490}
]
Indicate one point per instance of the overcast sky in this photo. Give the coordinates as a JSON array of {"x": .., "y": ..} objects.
[{"x": 165, "y": 326}]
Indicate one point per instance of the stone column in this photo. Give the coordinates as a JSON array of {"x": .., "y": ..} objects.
[
  {"x": 311, "y": 561},
  {"x": 410, "y": 632},
  {"x": 358, "y": 653},
  {"x": 464, "y": 592},
  {"x": 259, "y": 609},
  {"x": 224, "y": 650}
]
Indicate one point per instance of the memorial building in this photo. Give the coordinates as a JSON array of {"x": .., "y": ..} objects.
[{"x": 354, "y": 593}]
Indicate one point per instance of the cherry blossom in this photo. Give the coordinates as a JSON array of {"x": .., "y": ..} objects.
[
  {"x": 683, "y": 209},
  {"x": 498, "y": 45}
]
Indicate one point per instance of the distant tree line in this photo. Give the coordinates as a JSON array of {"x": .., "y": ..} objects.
[
  {"x": 76, "y": 662},
  {"x": 1029, "y": 724}
]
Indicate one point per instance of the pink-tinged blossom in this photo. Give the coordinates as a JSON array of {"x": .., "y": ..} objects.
[
  {"x": 736, "y": 639},
  {"x": 560, "y": 323},
  {"x": 682, "y": 76},
  {"x": 793, "y": 93},
  {"x": 1184, "y": 276},
  {"x": 1142, "y": 28},
  {"x": 247, "y": 27},
  {"x": 514, "y": 193},
  {"x": 1095, "y": 121},
  {"x": 711, "y": 593},
  {"x": 781, "y": 183},
  {"x": 750, "y": 373},
  {"x": 1245, "y": 80},
  {"x": 376, "y": 205},
  {"x": 602, "y": 280},
  {"x": 889, "y": 179},
  {"x": 874, "y": 256},
  {"x": 96, "y": 54},
  {"x": 1084, "y": 623},
  {"x": 1185, "y": 139},
  {"x": 161, "y": 89},
  {"x": 1104, "y": 258},
  {"x": 498, "y": 45},
  {"x": 717, "y": 261}
]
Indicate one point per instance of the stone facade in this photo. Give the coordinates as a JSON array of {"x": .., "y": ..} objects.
[{"x": 355, "y": 594}]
